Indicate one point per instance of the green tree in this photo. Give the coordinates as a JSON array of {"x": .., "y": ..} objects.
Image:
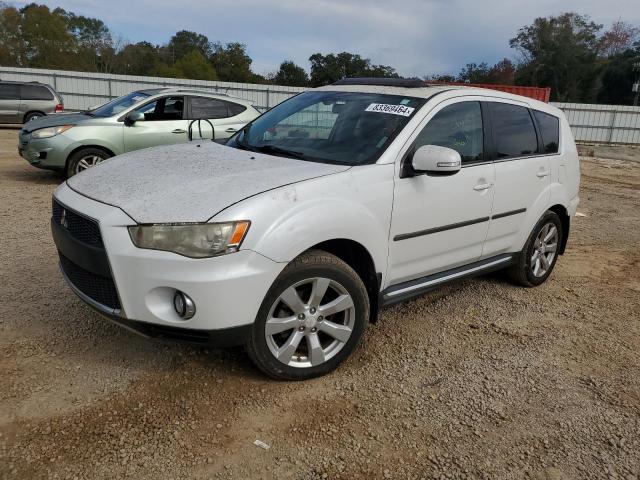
[
  {"x": 195, "y": 65},
  {"x": 502, "y": 73},
  {"x": 231, "y": 62},
  {"x": 559, "y": 52},
  {"x": 12, "y": 50},
  {"x": 291, "y": 75},
  {"x": 618, "y": 78},
  {"x": 137, "y": 59},
  {"x": 326, "y": 69},
  {"x": 184, "y": 42}
]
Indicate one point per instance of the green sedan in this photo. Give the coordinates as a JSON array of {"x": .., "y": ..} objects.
[{"x": 71, "y": 143}]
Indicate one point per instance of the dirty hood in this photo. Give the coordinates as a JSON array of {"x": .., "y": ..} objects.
[
  {"x": 189, "y": 183},
  {"x": 54, "y": 120}
]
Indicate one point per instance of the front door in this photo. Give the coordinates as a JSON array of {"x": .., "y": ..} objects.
[
  {"x": 440, "y": 222},
  {"x": 163, "y": 124}
]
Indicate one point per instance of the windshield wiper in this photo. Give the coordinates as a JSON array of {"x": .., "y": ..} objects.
[{"x": 279, "y": 151}]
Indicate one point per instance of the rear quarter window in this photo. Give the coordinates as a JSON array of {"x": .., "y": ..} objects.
[
  {"x": 549, "y": 129},
  {"x": 35, "y": 92},
  {"x": 514, "y": 134},
  {"x": 235, "y": 109},
  {"x": 204, "y": 107}
]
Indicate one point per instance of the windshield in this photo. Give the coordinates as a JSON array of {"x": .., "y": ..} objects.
[
  {"x": 331, "y": 127},
  {"x": 118, "y": 105}
]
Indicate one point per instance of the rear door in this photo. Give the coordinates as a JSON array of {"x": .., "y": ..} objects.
[
  {"x": 36, "y": 98},
  {"x": 164, "y": 124},
  {"x": 223, "y": 115},
  {"x": 10, "y": 103},
  {"x": 522, "y": 175}
]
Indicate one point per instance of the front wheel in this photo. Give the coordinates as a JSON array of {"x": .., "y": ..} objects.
[
  {"x": 539, "y": 255},
  {"x": 311, "y": 319},
  {"x": 84, "y": 159}
]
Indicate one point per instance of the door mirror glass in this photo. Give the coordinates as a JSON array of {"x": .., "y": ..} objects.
[
  {"x": 433, "y": 159},
  {"x": 134, "y": 117}
]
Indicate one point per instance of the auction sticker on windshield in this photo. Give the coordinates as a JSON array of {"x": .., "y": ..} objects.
[{"x": 393, "y": 109}]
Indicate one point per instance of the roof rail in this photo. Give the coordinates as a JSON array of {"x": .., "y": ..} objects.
[{"x": 385, "y": 82}]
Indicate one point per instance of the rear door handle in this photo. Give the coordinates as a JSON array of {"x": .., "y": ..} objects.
[
  {"x": 543, "y": 174},
  {"x": 178, "y": 130},
  {"x": 231, "y": 130},
  {"x": 483, "y": 186}
]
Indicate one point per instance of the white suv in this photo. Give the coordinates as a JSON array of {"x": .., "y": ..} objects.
[{"x": 335, "y": 203}]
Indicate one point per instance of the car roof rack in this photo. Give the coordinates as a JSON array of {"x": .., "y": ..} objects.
[{"x": 384, "y": 82}]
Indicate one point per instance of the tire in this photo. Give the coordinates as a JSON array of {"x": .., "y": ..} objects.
[
  {"x": 32, "y": 116},
  {"x": 84, "y": 159},
  {"x": 300, "y": 333},
  {"x": 530, "y": 269}
]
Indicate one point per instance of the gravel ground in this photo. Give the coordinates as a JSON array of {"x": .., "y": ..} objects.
[{"x": 480, "y": 379}]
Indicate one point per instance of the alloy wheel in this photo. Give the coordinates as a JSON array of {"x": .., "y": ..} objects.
[
  {"x": 88, "y": 162},
  {"x": 310, "y": 322},
  {"x": 544, "y": 249}
]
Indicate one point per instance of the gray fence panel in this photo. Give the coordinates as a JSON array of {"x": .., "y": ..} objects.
[{"x": 589, "y": 123}]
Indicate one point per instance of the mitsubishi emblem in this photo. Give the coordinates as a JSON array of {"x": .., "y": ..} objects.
[{"x": 63, "y": 219}]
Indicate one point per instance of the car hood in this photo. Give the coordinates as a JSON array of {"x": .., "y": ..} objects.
[
  {"x": 54, "y": 120},
  {"x": 189, "y": 182}
]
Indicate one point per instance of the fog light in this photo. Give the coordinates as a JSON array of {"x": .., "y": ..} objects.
[{"x": 183, "y": 305}]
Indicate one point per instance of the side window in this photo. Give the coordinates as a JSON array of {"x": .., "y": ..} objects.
[
  {"x": 9, "y": 91},
  {"x": 235, "y": 109},
  {"x": 204, "y": 107},
  {"x": 35, "y": 92},
  {"x": 513, "y": 132},
  {"x": 168, "y": 108},
  {"x": 550, "y": 131},
  {"x": 457, "y": 126}
]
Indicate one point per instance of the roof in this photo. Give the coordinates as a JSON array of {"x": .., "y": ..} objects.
[{"x": 156, "y": 91}]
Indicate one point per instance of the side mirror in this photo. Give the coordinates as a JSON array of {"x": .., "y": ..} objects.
[
  {"x": 436, "y": 160},
  {"x": 134, "y": 117}
]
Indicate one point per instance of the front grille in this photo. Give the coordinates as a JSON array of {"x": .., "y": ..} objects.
[
  {"x": 101, "y": 289},
  {"x": 81, "y": 228}
]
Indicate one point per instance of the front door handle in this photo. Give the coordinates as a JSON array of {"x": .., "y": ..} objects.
[
  {"x": 543, "y": 174},
  {"x": 178, "y": 130},
  {"x": 483, "y": 186},
  {"x": 231, "y": 130}
]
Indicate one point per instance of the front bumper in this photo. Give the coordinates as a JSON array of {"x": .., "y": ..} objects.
[
  {"x": 227, "y": 290},
  {"x": 46, "y": 153}
]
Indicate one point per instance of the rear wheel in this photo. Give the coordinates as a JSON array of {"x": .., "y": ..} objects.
[
  {"x": 84, "y": 159},
  {"x": 539, "y": 255},
  {"x": 311, "y": 319},
  {"x": 32, "y": 116}
]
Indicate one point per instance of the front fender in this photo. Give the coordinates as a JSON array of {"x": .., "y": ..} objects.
[{"x": 353, "y": 205}]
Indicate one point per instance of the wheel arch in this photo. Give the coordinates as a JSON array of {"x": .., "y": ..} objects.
[
  {"x": 357, "y": 257},
  {"x": 565, "y": 220}
]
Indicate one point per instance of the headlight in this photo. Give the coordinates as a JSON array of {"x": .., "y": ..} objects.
[
  {"x": 196, "y": 240},
  {"x": 50, "y": 131}
]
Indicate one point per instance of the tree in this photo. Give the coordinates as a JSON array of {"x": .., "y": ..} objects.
[
  {"x": 291, "y": 75},
  {"x": 620, "y": 37},
  {"x": 326, "y": 69},
  {"x": 618, "y": 77},
  {"x": 232, "y": 62},
  {"x": 11, "y": 45},
  {"x": 501, "y": 73},
  {"x": 137, "y": 59},
  {"x": 184, "y": 42},
  {"x": 559, "y": 52},
  {"x": 195, "y": 65}
]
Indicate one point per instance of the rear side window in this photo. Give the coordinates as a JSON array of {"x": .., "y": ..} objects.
[
  {"x": 35, "y": 92},
  {"x": 235, "y": 109},
  {"x": 513, "y": 132},
  {"x": 203, "y": 107},
  {"x": 550, "y": 131},
  {"x": 9, "y": 91},
  {"x": 457, "y": 126}
]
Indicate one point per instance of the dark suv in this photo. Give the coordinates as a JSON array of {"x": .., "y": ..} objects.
[{"x": 21, "y": 102}]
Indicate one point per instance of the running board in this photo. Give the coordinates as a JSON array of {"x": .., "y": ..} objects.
[{"x": 413, "y": 288}]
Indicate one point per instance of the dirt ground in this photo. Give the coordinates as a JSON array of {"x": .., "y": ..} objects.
[{"x": 480, "y": 379}]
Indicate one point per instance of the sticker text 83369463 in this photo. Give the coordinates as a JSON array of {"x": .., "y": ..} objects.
[{"x": 392, "y": 109}]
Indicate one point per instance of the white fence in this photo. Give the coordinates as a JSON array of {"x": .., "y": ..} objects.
[{"x": 590, "y": 123}]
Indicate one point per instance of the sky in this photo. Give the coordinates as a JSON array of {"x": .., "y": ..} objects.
[{"x": 417, "y": 37}]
